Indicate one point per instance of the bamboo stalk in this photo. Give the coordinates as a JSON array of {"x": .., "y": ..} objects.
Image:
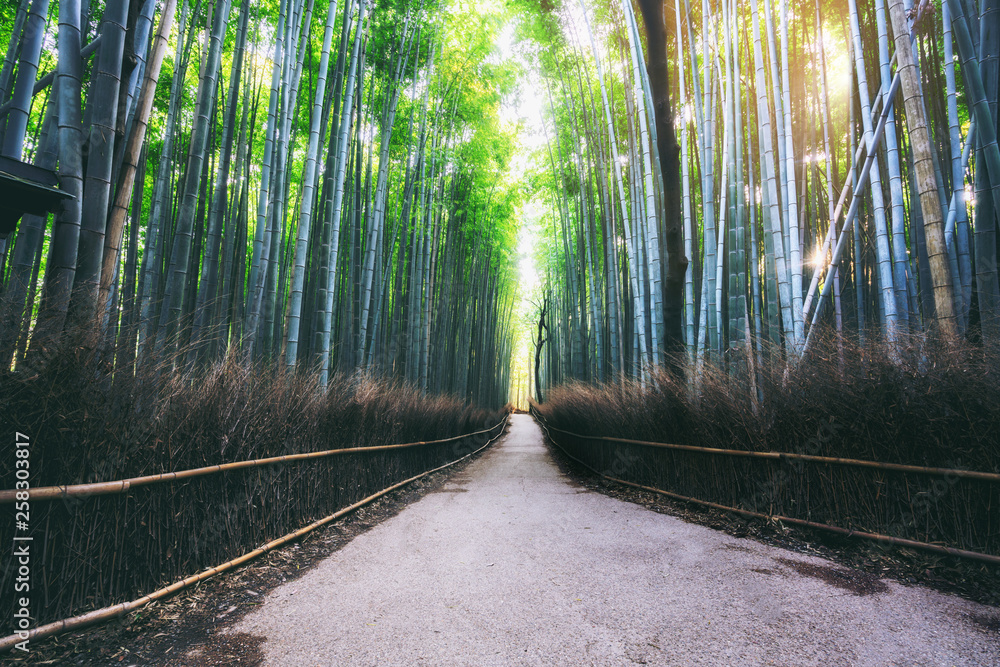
[
  {"x": 926, "y": 177},
  {"x": 859, "y": 154},
  {"x": 46, "y": 79},
  {"x": 114, "y": 611},
  {"x": 123, "y": 485},
  {"x": 861, "y": 182}
]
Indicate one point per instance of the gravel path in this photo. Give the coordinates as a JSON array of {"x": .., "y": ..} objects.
[{"x": 511, "y": 564}]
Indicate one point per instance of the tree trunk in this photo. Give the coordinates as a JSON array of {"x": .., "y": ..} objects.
[
  {"x": 170, "y": 319},
  {"x": 923, "y": 164},
  {"x": 659, "y": 83},
  {"x": 103, "y": 111},
  {"x": 133, "y": 148},
  {"x": 61, "y": 267}
]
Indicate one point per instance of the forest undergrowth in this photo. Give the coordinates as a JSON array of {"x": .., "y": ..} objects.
[
  {"x": 87, "y": 424},
  {"x": 931, "y": 406}
]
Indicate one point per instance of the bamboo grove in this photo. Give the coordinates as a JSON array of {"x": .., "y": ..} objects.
[
  {"x": 835, "y": 160},
  {"x": 324, "y": 187}
]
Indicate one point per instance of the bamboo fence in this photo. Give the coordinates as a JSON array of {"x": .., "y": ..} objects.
[
  {"x": 113, "y": 541},
  {"x": 864, "y": 499},
  {"x": 114, "y": 611}
]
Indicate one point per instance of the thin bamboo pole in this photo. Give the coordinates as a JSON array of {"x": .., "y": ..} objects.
[{"x": 778, "y": 456}]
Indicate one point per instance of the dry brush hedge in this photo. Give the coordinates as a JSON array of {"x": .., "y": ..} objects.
[
  {"x": 87, "y": 427},
  {"x": 934, "y": 409}
]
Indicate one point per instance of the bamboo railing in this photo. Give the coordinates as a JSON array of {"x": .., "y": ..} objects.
[
  {"x": 897, "y": 467},
  {"x": 123, "y": 485}
]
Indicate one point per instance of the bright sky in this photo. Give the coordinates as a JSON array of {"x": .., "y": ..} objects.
[{"x": 525, "y": 110}]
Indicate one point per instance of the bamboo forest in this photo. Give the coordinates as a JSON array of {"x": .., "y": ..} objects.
[
  {"x": 342, "y": 188},
  {"x": 329, "y": 187},
  {"x": 234, "y": 231},
  {"x": 819, "y": 185}
]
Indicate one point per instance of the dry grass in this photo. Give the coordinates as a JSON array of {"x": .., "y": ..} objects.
[
  {"x": 932, "y": 407},
  {"x": 87, "y": 425}
]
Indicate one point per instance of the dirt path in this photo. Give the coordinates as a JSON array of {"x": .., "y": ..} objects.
[{"x": 511, "y": 564}]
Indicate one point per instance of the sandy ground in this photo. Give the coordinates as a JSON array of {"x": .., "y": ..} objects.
[{"x": 512, "y": 564}]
